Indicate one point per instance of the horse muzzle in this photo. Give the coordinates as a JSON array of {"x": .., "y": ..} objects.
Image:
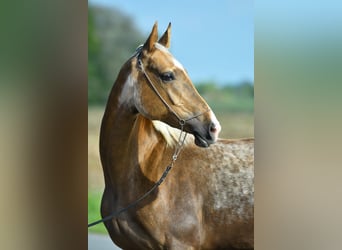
[{"x": 207, "y": 134}]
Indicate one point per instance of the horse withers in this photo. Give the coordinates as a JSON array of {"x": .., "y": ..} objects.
[{"x": 207, "y": 200}]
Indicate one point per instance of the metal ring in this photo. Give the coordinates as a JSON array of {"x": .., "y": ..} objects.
[{"x": 182, "y": 122}]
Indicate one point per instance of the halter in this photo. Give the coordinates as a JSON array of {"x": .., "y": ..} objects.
[
  {"x": 180, "y": 143},
  {"x": 142, "y": 68}
]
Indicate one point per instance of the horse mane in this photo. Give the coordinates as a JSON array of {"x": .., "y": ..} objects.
[{"x": 170, "y": 134}]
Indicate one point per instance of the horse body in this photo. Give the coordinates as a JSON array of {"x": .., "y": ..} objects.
[{"x": 206, "y": 201}]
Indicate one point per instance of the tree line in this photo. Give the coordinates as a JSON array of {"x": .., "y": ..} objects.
[{"x": 112, "y": 39}]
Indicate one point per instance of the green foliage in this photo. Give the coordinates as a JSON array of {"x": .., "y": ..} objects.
[
  {"x": 94, "y": 201},
  {"x": 244, "y": 89},
  {"x": 112, "y": 39},
  {"x": 228, "y": 98},
  {"x": 205, "y": 88}
]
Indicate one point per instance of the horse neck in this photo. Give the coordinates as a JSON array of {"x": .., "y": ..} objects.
[{"x": 125, "y": 134}]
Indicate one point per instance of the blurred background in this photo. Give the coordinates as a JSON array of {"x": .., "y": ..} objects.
[
  {"x": 44, "y": 112},
  {"x": 214, "y": 42}
]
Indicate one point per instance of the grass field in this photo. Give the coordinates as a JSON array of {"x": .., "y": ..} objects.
[{"x": 235, "y": 124}]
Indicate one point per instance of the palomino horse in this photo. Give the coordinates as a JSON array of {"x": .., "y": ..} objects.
[{"x": 206, "y": 201}]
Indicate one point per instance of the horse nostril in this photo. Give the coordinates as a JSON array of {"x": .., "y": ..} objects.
[{"x": 212, "y": 128}]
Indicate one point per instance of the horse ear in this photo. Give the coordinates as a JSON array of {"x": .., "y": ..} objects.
[
  {"x": 152, "y": 39},
  {"x": 166, "y": 37}
]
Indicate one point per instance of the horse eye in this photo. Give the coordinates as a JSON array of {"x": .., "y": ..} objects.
[{"x": 167, "y": 77}]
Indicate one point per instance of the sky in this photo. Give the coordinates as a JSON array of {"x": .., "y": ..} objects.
[{"x": 214, "y": 40}]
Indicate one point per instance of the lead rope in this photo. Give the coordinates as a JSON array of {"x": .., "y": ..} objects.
[{"x": 180, "y": 143}]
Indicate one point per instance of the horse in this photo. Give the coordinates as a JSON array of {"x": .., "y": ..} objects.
[{"x": 207, "y": 199}]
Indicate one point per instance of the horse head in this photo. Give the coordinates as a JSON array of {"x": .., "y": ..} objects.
[{"x": 165, "y": 92}]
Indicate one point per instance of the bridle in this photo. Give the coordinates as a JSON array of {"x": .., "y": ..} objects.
[
  {"x": 142, "y": 69},
  {"x": 179, "y": 145}
]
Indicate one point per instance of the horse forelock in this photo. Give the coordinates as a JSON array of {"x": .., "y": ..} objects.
[
  {"x": 169, "y": 133},
  {"x": 162, "y": 48}
]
